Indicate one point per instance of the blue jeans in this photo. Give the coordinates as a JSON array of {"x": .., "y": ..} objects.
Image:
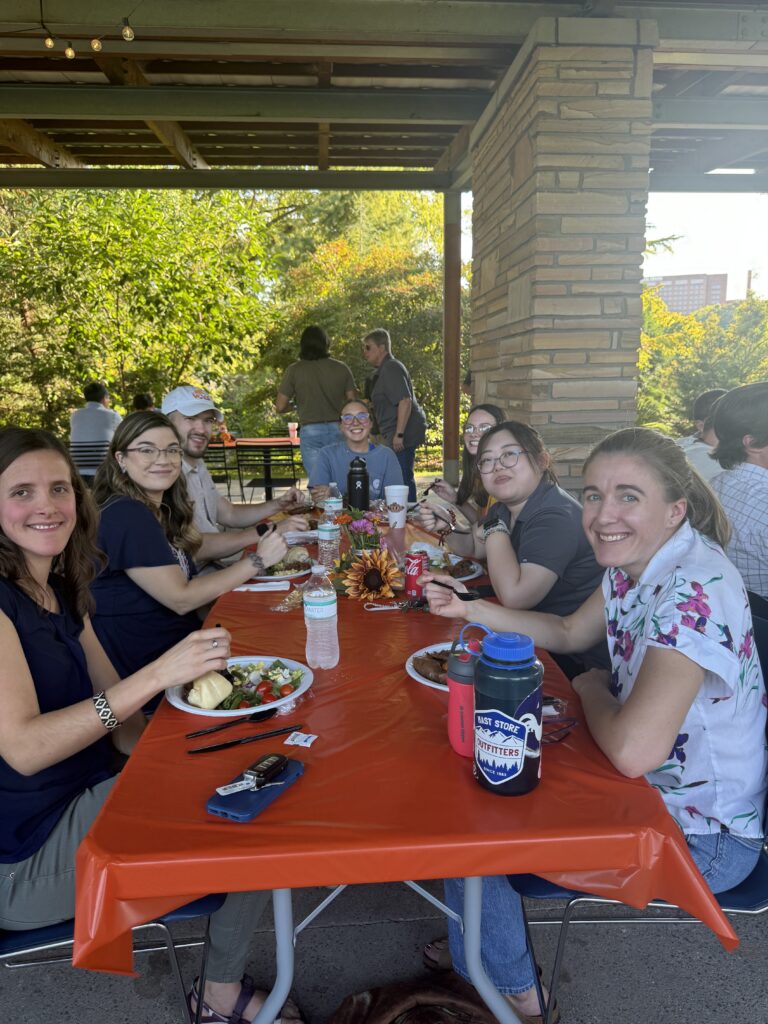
[
  {"x": 313, "y": 437},
  {"x": 723, "y": 859},
  {"x": 406, "y": 459}
]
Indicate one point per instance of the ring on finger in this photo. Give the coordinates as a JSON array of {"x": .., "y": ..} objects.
[{"x": 214, "y": 643}]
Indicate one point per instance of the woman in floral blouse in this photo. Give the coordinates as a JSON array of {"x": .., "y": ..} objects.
[{"x": 684, "y": 702}]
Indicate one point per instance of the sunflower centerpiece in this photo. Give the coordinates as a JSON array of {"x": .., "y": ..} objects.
[
  {"x": 366, "y": 571},
  {"x": 372, "y": 575}
]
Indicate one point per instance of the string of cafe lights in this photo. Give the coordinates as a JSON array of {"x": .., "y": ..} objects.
[{"x": 49, "y": 42}]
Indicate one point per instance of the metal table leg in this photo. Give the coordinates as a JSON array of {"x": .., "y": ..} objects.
[
  {"x": 284, "y": 957},
  {"x": 473, "y": 901}
]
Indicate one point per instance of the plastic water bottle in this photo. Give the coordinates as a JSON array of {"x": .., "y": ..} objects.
[
  {"x": 334, "y": 503},
  {"x": 508, "y": 694},
  {"x": 328, "y": 541},
  {"x": 320, "y": 616}
]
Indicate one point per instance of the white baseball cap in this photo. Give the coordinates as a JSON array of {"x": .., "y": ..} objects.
[{"x": 190, "y": 401}]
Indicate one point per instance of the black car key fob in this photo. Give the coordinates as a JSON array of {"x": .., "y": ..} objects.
[{"x": 265, "y": 769}]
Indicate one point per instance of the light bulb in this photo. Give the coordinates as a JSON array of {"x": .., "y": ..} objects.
[
  {"x": 127, "y": 32},
  {"x": 96, "y": 45},
  {"x": 49, "y": 42},
  {"x": 69, "y": 51}
]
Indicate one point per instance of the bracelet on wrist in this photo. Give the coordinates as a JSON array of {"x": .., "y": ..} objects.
[
  {"x": 498, "y": 526},
  {"x": 258, "y": 564},
  {"x": 105, "y": 712}
]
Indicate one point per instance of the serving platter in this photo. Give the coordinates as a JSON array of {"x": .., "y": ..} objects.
[{"x": 175, "y": 694}]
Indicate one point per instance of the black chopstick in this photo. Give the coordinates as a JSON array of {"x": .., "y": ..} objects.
[
  {"x": 245, "y": 739},
  {"x": 261, "y": 714}
]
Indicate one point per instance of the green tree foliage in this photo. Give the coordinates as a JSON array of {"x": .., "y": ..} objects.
[
  {"x": 142, "y": 289},
  {"x": 682, "y": 355},
  {"x": 378, "y": 264}
]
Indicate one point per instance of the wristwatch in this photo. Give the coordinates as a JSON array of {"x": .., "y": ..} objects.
[{"x": 399, "y": 435}]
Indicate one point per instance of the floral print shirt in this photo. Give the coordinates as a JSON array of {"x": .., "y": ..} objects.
[{"x": 691, "y": 597}]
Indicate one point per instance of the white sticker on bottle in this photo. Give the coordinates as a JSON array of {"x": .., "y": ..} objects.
[{"x": 499, "y": 745}]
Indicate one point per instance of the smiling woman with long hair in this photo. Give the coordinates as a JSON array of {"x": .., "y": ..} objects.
[
  {"x": 683, "y": 701},
  {"x": 63, "y": 701},
  {"x": 147, "y": 595}
]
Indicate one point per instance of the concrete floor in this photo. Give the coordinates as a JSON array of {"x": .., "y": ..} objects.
[{"x": 374, "y": 934}]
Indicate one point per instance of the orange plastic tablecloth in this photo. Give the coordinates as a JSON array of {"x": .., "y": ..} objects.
[{"x": 383, "y": 798}]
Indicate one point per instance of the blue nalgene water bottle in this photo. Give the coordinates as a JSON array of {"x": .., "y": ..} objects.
[{"x": 508, "y": 678}]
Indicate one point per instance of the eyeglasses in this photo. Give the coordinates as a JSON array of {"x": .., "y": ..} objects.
[
  {"x": 508, "y": 459},
  {"x": 470, "y": 428},
  {"x": 149, "y": 453},
  {"x": 354, "y": 417}
]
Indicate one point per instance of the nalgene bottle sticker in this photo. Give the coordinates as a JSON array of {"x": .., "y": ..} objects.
[{"x": 500, "y": 745}]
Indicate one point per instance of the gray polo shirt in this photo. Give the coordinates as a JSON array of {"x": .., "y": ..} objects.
[
  {"x": 548, "y": 532},
  {"x": 391, "y": 384}
]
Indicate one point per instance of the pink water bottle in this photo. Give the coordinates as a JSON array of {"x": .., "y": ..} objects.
[{"x": 461, "y": 698}]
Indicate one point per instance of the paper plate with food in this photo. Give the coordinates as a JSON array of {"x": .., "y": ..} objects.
[
  {"x": 248, "y": 684},
  {"x": 296, "y": 563},
  {"x": 448, "y": 564},
  {"x": 429, "y": 666}
]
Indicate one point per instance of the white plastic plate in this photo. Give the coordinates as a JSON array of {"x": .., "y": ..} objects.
[{"x": 175, "y": 694}]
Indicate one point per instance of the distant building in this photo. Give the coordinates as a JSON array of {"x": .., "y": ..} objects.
[{"x": 685, "y": 293}]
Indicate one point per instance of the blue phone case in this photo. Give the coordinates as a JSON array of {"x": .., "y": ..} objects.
[{"x": 249, "y": 803}]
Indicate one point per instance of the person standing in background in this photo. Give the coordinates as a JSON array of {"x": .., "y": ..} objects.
[
  {"x": 320, "y": 386},
  {"x": 399, "y": 416}
]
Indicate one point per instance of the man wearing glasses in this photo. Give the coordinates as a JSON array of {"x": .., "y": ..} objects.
[
  {"x": 226, "y": 528},
  {"x": 332, "y": 463}
]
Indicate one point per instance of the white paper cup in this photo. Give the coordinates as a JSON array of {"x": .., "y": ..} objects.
[
  {"x": 293, "y": 431},
  {"x": 396, "y": 496}
]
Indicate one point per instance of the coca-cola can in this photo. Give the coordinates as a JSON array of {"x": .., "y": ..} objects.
[{"x": 416, "y": 563}]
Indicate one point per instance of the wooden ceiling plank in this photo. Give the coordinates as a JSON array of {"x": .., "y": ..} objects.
[
  {"x": 736, "y": 149},
  {"x": 23, "y": 138}
]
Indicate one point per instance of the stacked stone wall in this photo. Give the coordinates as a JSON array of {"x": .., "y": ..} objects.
[{"x": 560, "y": 181}]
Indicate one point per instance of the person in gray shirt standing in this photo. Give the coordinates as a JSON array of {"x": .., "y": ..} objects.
[
  {"x": 399, "y": 416},
  {"x": 91, "y": 428}
]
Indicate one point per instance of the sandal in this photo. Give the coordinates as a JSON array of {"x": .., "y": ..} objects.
[
  {"x": 437, "y": 955},
  {"x": 210, "y": 1016}
]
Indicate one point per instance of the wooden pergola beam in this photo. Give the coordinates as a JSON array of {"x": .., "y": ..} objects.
[
  {"x": 204, "y": 103},
  {"x": 24, "y": 139},
  {"x": 120, "y": 71},
  {"x": 125, "y": 177}
]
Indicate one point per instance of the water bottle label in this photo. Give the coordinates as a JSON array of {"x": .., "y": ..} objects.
[
  {"x": 325, "y": 609},
  {"x": 500, "y": 744},
  {"x": 333, "y": 506},
  {"x": 328, "y": 531}
]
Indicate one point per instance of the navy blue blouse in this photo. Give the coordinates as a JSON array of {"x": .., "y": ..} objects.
[
  {"x": 132, "y": 626},
  {"x": 32, "y": 804}
]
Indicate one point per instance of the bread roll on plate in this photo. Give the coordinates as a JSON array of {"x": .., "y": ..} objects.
[{"x": 209, "y": 691}]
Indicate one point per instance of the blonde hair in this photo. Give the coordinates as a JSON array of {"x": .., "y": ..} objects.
[{"x": 676, "y": 475}]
